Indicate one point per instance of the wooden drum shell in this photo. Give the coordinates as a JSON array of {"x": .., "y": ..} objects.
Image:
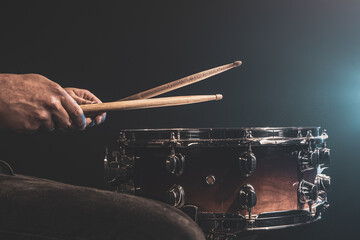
[{"x": 275, "y": 179}]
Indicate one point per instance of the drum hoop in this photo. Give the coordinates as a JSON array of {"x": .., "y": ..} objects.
[
  {"x": 210, "y": 129},
  {"x": 222, "y": 136},
  {"x": 263, "y": 221}
]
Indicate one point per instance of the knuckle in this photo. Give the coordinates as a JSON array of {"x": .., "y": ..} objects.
[
  {"x": 41, "y": 115},
  {"x": 54, "y": 103},
  {"x": 58, "y": 90}
]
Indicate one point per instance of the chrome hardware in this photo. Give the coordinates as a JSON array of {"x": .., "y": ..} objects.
[
  {"x": 307, "y": 192},
  {"x": 309, "y": 159},
  {"x": 118, "y": 167},
  {"x": 247, "y": 162},
  {"x": 220, "y": 136},
  {"x": 210, "y": 180},
  {"x": 223, "y": 225},
  {"x": 247, "y": 198},
  {"x": 299, "y": 134},
  {"x": 122, "y": 137},
  {"x": 175, "y": 163},
  {"x": 106, "y": 162},
  {"x": 324, "y": 136},
  {"x": 309, "y": 134},
  {"x": 172, "y": 137},
  {"x": 324, "y": 156},
  {"x": 322, "y": 183},
  {"x": 176, "y": 196},
  {"x": 248, "y": 134},
  {"x": 128, "y": 187}
]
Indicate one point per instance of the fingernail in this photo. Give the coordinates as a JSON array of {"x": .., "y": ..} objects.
[
  {"x": 92, "y": 123},
  {"x": 52, "y": 129},
  {"x": 83, "y": 119},
  {"x": 103, "y": 118}
]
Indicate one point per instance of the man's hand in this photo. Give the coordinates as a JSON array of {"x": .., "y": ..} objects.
[
  {"x": 82, "y": 96},
  {"x": 30, "y": 101}
]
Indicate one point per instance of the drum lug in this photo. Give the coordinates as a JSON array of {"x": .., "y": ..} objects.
[
  {"x": 175, "y": 163},
  {"x": 173, "y": 140},
  {"x": 118, "y": 167},
  {"x": 307, "y": 192},
  {"x": 248, "y": 134},
  {"x": 324, "y": 136},
  {"x": 309, "y": 159},
  {"x": 122, "y": 137},
  {"x": 322, "y": 183},
  {"x": 176, "y": 196},
  {"x": 299, "y": 134},
  {"x": 247, "y": 162},
  {"x": 128, "y": 187},
  {"x": 312, "y": 192},
  {"x": 324, "y": 157},
  {"x": 309, "y": 134},
  {"x": 247, "y": 198}
]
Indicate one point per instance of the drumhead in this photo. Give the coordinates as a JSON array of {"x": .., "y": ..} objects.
[{"x": 224, "y": 136}]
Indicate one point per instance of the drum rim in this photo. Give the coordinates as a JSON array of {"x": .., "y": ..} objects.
[
  {"x": 218, "y": 129},
  {"x": 186, "y": 137},
  {"x": 263, "y": 221}
]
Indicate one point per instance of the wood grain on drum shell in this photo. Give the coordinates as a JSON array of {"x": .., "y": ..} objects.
[{"x": 275, "y": 180}]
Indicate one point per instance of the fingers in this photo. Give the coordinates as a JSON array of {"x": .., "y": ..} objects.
[
  {"x": 85, "y": 94},
  {"x": 69, "y": 115},
  {"x": 80, "y": 101},
  {"x": 62, "y": 119},
  {"x": 82, "y": 96},
  {"x": 74, "y": 111},
  {"x": 90, "y": 122},
  {"x": 89, "y": 96},
  {"x": 100, "y": 119}
]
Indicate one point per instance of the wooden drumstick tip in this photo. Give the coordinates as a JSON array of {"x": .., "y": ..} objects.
[
  {"x": 237, "y": 63},
  {"x": 218, "y": 97}
]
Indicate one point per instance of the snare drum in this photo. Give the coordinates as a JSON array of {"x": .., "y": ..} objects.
[{"x": 228, "y": 180}]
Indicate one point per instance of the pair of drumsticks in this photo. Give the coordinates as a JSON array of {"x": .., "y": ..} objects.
[{"x": 141, "y": 100}]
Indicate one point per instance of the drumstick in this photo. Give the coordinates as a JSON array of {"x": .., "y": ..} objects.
[
  {"x": 182, "y": 82},
  {"x": 91, "y": 109}
]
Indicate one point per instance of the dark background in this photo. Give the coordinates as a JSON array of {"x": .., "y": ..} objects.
[{"x": 301, "y": 67}]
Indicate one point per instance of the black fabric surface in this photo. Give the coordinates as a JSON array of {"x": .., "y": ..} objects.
[{"x": 33, "y": 208}]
